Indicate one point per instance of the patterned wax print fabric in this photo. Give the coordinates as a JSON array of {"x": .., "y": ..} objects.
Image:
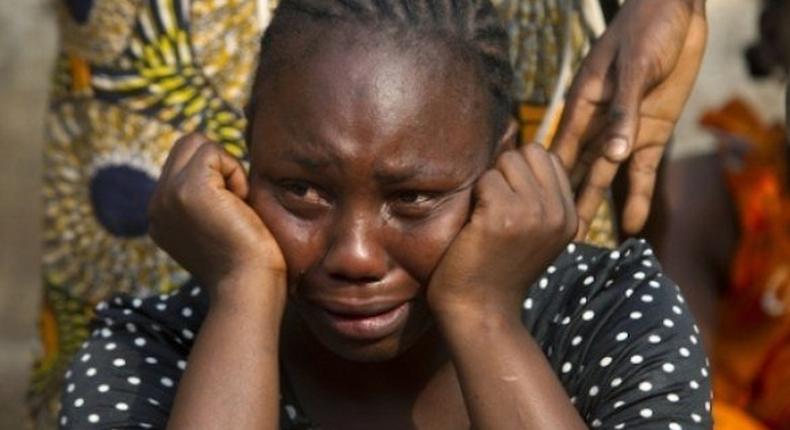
[
  {"x": 132, "y": 76},
  {"x": 616, "y": 332}
]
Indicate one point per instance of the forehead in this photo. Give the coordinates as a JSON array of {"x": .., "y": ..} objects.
[{"x": 346, "y": 89}]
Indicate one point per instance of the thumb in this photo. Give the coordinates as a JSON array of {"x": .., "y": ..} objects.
[{"x": 623, "y": 128}]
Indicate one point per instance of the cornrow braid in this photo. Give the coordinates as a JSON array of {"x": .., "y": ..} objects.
[{"x": 473, "y": 25}]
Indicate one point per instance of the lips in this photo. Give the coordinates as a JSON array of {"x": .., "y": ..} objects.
[{"x": 364, "y": 321}]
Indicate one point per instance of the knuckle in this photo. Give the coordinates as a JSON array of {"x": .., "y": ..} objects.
[
  {"x": 513, "y": 227},
  {"x": 555, "y": 220},
  {"x": 183, "y": 194},
  {"x": 535, "y": 152},
  {"x": 503, "y": 160},
  {"x": 535, "y": 149},
  {"x": 616, "y": 113},
  {"x": 193, "y": 138},
  {"x": 511, "y": 156}
]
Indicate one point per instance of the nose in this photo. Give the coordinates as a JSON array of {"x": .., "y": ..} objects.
[{"x": 355, "y": 253}]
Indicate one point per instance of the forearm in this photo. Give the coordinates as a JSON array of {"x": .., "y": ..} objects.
[
  {"x": 232, "y": 380},
  {"x": 506, "y": 380}
]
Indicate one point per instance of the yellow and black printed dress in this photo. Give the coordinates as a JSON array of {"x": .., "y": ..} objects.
[{"x": 131, "y": 77}]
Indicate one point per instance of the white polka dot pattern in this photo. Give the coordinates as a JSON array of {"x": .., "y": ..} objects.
[
  {"x": 630, "y": 351},
  {"x": 617, "y": 333}
]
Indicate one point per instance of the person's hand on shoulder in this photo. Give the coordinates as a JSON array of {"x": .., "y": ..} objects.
[
  {"x": 625, "y": 101},
  {"x": 199, "y": 216},
  {"x": 523, "y": 216}
]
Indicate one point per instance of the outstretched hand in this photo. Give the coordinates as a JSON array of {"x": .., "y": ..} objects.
[{"x": 625, "y": 101}]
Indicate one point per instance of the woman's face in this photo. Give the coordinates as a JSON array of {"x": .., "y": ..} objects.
[{"x": 363, "y": 160}]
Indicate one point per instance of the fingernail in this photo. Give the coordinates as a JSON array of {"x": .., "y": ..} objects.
[{"x": 618, "y": 147}]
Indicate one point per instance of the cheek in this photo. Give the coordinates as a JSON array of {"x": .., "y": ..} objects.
[
  {"x": 422, "y": 246},
  {"x": 299, "y": 241}
]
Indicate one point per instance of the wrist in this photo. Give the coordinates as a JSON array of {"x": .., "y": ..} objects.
[
  {"x": 261, "y": 292},
  {"x": 461, "y": 319}
]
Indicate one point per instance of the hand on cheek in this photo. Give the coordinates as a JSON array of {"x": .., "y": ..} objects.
[
  {"x": 199, "y": 216},
  {"x": 523, "y": 216}
]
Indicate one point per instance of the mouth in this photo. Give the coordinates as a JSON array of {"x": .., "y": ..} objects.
[{"x": 364, "y": 322}]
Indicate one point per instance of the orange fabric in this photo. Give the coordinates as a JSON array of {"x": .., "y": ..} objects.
[
  {"x": 751, "y": 356},
  {"x": 80, "y": 73},
  {"x": 728, "y": 417},
  {"x": 530, "y": 116}
]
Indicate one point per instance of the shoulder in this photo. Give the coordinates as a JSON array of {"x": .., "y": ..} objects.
[
  {"x": 126, "y": 373},
  {"x": 621, "y": 339}
]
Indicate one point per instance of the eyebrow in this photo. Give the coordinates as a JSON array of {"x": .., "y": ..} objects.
[
  {"x": 312, "y": 156},
  {"x": 308, "y": 161},
  {"x": 399, "y": 175},
  {"x": 381, "y": 174}
]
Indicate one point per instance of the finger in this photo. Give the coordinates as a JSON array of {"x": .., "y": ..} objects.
[
  {"x": 489, "y": 192},
  {"x": 564, "y": 183},
  {"x": 517, "y": 173},
  {"x": 181, "y": 153},
  {"x": 621, "y": 134},
  {"x": 566, "y": 194},
  {"x": 642, "y": 173},
  {"x": 590, "y": 90},
  {"x": 580, "y": 121},
  {"x": 556, "y": 195},
  {"x": 594, "y": 190},
  {"x": 539, "y": 162},
  {"x": 220, "y": 169},
  {"x": 584, "y": 163}
]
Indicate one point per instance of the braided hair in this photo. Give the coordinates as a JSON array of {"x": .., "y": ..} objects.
[{"x": 471, "y": 26}]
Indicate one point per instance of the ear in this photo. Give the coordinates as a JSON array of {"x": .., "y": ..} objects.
[{"x": 509, "y": 139}]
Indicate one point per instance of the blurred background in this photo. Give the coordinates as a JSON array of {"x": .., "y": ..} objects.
[
  {"x": 27, "y": 50},
  {"x": 28, "y": 46}
]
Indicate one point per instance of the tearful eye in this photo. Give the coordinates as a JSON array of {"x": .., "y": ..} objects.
[
  {"x": 300, "y": 194},
  {"x": 414, "y": 204},
  {"x": 413, "y": 197}
]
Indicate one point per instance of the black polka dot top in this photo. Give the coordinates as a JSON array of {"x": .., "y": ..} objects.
[{"x": 616, "y": 332}]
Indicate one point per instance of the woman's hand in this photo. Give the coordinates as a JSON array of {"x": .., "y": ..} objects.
[
  {"x": 626, "y": 99},
  {"x": 523, "y": 216},
  {"x": 199, "y": 216}
]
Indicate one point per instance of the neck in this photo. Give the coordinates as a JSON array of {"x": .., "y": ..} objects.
[{"x": 304, "y": 356}]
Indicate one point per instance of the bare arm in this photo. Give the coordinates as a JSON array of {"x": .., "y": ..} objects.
[
  {"x": 506, "y": 380},
  {"x": 200, "y": 217},
  {"x": 232, "y": 379},
  {"x": 523, "y": 217}
]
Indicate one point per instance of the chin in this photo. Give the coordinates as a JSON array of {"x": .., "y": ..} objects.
[{"x": 377, "y": 352}]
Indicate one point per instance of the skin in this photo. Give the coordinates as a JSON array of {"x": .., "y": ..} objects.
[
  {"x": 268, "y": 249},
  {"x": 625, "y": 101},
  {"x": 371, "y": 180}
]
